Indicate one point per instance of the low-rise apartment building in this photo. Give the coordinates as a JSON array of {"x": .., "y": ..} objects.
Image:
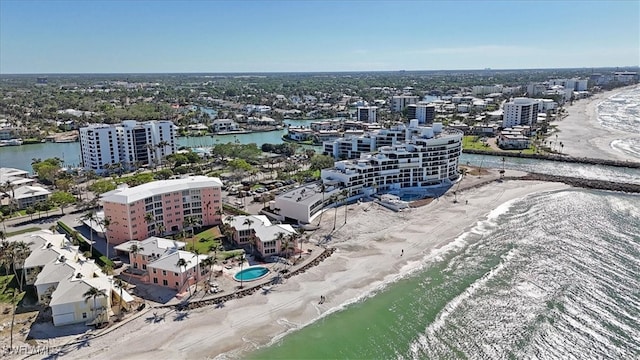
[
  {"x": 170, "y": 203},
  {"x": 267, "y": 239}
]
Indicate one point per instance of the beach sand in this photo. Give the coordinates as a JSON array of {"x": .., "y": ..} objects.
[
  {"x": 375, "y": 247},
  {"x": 582, "y": 134}
]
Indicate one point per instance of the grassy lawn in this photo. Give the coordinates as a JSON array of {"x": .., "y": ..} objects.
[
  {"x": 204, "y": 240},
  {"x": 23, "y": 231},
  {"x": 473, "y": 143}
]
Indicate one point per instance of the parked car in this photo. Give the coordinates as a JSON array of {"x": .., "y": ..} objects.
[{"x": 117, "y": 263}]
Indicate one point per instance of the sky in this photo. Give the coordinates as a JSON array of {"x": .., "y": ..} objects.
[{"x": 298, "y": 36}]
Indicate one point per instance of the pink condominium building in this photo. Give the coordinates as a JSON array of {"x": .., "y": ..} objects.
[{"x": 169, "y": 202}]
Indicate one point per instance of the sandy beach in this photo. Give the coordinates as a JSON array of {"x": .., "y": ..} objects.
[
  {"x": 374, "y": 248},
  {"x": 584, "y": 136}
]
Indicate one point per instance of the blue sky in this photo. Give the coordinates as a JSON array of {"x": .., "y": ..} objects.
[{"x": 265, "y": 36}]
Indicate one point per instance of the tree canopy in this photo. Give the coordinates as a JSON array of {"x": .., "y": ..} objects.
[{"x": 319, "y": 162}]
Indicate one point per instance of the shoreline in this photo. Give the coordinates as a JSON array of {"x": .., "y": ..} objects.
[
  {"x": 402, "y": 241},
  {"x": 584, "y": 136}
]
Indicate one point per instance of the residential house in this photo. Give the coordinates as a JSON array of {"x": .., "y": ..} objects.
[{"x": 266, "y": 236}]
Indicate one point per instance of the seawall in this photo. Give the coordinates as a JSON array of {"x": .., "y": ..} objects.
[
  {"x": 582, "y": 183},
  {"x": 562, "y": 158}
]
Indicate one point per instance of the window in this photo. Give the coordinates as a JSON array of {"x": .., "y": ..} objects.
[
  {"x": 165, "y": 282},
  {"x": 177, "y": 284},
  {"x": 176, "y": 274},
  {"x": 155, "y": 280},
  {"x": 154, "y": 270},
  {"x": 135, "y": 265},
  {"x": 164, "y": 272},
  {"x": 144, "y": 266}
]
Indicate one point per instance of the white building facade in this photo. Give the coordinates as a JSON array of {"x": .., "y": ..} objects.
[
  {"x": 127, "y": 143},
  {"x": 520, "y": 111},
  {"x": 428, "y": 161},
  {"x": 367, "y": 114}
]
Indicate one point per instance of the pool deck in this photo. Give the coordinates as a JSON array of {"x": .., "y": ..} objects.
[{"x": 229, "y": 287}]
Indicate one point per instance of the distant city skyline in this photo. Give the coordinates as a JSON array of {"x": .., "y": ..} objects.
[{"x": 314, "y": 36}]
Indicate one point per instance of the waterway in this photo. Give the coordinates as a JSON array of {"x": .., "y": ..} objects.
[{"x": 20, "y": 157}]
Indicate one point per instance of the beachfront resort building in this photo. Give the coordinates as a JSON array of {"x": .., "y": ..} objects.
[
  {"x": 62, "y": 276},
  {"x": 155, "y": 261},
  {"x": 520, "y": 111},
  {"x": 425, "y": 164},
  {"x": 129, "y": 144},
  {"x": 257, "y": 232},
  {"x": 162, "y": 207}
]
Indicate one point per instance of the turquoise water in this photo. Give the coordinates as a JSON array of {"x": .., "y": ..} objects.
[
  {"x": 553, "y": 275},
  {"x": 251, "y": 273}
]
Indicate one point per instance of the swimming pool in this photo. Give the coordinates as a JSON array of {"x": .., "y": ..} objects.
[{"x": 252, "y": 273}]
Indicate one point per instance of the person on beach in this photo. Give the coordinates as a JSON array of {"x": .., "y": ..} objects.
[{"x": 402, "y": 252}]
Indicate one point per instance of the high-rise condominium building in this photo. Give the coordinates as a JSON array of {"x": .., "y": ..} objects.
[
  {"x": 400, "y": 102},
  {"x": 130, "y": 144},
  {"x": 367, "y": 114},
  {"x": 520, "y": 111}
]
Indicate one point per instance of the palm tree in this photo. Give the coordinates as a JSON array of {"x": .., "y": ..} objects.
[
  {"x": 2, "y": 219},
  {"x": 120, "y": 284},
  {"x": 21, "y": 252},
  {"x": 182, "y": 264},
  {"x": 345, "y": 193},
  {"x": 241, "y": 265},
  {"x": 285, "y": 244},
  {"x": 160, "y": 230},
  {"x": 90, "y": 217},
  {"x": 209, "y": 262},
  {"x": 248, "y": 222},
  {"x": 322, "y": 188},
  {"x": 334, "y": 200},
  {"x": 152, "y": 155},
  {"x": 197, "y": 252},
  {"x": 94, "y": 292},
  {"x": 105, "y": 224},
  {"x": 149, "y": 218},
  {"x": 134, "y": 250}
]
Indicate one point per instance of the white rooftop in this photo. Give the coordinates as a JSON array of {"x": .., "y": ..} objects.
[
  {"x": 136, "y": 193},
  {"x": 24, "y": 192},
  {"x": 152, "y": 246},
  {"x": 261, "y": 225},
  {"x": 169, "y": 262}
]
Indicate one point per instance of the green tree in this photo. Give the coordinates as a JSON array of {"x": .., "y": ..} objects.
[
  {"x": 319, "y": 162},
  {"x": 182, "y": 265},
  {"x": 102, "y": 186},
  {"x": 30, "y": 211},
  {"x": 94, "y": 293},
  {"x": 62, "y": 199}
]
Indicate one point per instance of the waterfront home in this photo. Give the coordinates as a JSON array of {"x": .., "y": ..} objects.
[
  {"x": 29, "y": 195},
  {"x": 265, "y": 238},
  {"x": 224, "y": 125},
  {"x": 155, "y": 261},
  {"x": 161, "y": 207},
  {"x": 516, "y": 138},
  {"x": 14, "y": 177},
  {"x": 62, "y": 275},
  {"x": 299, "y": 133}
]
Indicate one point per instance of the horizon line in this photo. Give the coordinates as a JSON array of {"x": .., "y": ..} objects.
[{"x": 311, "y": 72}]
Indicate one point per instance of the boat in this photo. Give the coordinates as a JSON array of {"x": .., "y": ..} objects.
[{"x": 11, "y": 142}]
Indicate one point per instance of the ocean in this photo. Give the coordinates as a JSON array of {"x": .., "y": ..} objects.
[
  {"x": 551, "y": 275},
  {"x": 622, "y": 112}
]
